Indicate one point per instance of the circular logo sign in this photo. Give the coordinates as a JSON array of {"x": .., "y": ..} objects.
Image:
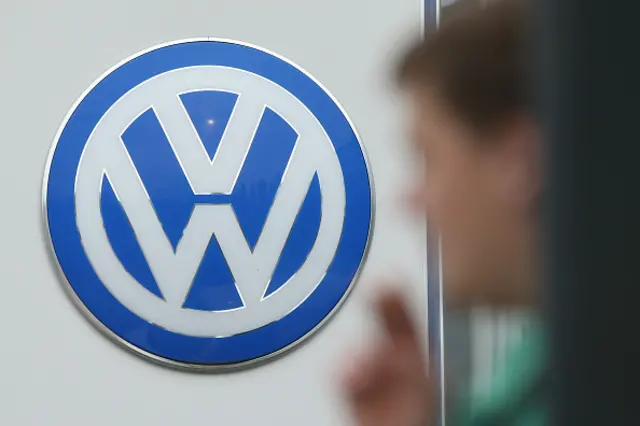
[{"x": 209, "y": 203}]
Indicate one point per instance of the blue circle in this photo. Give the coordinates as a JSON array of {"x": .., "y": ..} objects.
[{"x": 149, "y": 338}]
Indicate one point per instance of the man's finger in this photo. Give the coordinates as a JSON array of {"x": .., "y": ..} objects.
[
  {"x": 366, "y": 373},
  {"x": 394, "y": 314}
]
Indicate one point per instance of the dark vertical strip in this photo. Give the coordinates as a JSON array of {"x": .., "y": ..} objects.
[
  {"x": 431, "y": 15},
  {"x": 434, "y": 283},
  {"x": 435, "y": 313},
  {"x": 590, "y": 68}
]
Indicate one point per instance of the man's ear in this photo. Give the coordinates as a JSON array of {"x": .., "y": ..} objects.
[{"x": 521, "y": 154}]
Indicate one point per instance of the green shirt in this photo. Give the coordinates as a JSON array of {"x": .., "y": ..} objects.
[{"x": 516, "y": 394}]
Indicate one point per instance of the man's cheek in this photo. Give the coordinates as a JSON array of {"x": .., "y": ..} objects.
[{"x": 454, "y": 235}]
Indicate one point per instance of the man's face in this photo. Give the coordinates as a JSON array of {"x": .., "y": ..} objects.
[{"x": 478, "y": 192}]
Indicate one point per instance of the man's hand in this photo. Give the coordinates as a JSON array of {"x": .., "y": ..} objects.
[{"x": 389, "y": 386}]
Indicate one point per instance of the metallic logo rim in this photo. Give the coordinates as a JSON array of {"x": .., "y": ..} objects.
[{"x": 142, "y": 353}]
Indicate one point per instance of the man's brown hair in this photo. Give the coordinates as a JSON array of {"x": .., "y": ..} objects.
[{"x": 478, "y": 62}]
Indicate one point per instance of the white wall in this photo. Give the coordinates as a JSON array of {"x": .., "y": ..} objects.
[{"x": 55, "y": 369}]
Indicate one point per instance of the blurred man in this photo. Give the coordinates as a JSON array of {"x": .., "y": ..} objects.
[{"x": 472, "y": 120}]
